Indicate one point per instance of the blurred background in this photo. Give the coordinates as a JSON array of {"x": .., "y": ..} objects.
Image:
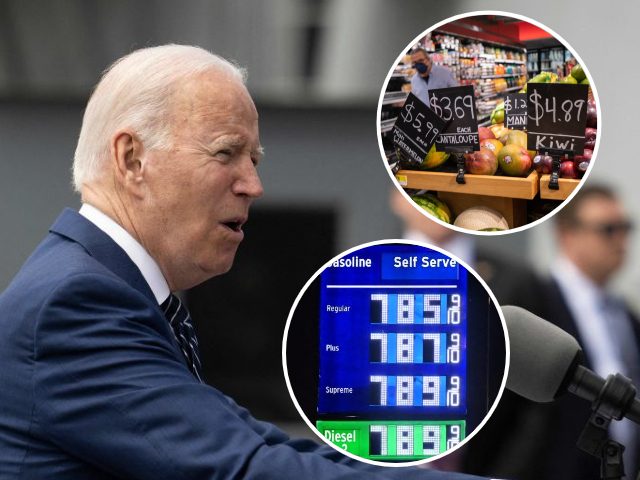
[{"x": 316, "y": 69}]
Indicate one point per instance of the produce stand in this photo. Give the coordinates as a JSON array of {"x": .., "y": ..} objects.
[
  {"x": 567, "y": 185},
  {"x": 490, "y": 185},
  {"x": 507, "y": 195},
  {"x": 514, "y": 210}
]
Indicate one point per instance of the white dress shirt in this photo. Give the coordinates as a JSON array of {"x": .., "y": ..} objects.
[{"x": 136, "y": 252}]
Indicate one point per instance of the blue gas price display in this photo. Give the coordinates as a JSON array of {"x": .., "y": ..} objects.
[{"x": 393, "y": 333}]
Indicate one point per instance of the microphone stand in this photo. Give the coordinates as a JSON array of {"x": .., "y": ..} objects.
[{"x": 611, "y": 402}]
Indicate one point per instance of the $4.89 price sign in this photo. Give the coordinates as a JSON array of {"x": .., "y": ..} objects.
[
  {"x": 456, "y": 105},
  {"x": 557, "y": 116},
  {"x": 416, "y": 129}
]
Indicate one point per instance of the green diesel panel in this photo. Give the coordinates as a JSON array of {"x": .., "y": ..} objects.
[{"x": 402, "y": 440}]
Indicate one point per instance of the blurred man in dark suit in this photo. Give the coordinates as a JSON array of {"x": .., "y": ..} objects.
[
  {"x": 525, "y": 440},
  {"x": 593, "y": 238}
]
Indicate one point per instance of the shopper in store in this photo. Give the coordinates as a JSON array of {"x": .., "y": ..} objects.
[
  {"x": 101, "y": 375},
  {"x": 428, "y": 75}
]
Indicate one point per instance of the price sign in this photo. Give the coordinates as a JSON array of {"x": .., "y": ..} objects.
[
  {"x": 515, "y": 111},
  {"x": 557, "y": 116},
  {"x": 457, "y": 106},
  {"x": 416, "y": 129}
]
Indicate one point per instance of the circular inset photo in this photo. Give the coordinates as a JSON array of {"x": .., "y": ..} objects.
[
  {"x": 488, "y": 122},
  {"x": 395, "y": 353}
]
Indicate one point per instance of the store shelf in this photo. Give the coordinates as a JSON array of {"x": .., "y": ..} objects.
[
  {"x": 491, "y": 59},
  {"x": 394, "y": 97},
  {"x": 400, "y": 75},
  {"x": 493, "y": 186},
  {"x": 502, "y": 76},
  {"x": 497, "y": 94},
  {"x": 387, "y": 125},
  {"x": 567, "y": 185}
]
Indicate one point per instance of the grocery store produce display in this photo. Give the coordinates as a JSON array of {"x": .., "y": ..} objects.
[
  {"x": 528, "y": 155},
  {"x": 503, "y": 151}
]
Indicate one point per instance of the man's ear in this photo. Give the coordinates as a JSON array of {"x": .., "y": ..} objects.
[{"x": 127, "y": 160}]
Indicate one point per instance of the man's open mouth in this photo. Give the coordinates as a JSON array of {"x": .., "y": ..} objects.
[{"x": 235, "y": 225}]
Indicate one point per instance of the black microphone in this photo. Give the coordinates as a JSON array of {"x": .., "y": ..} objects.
[{"x": 546, "y": 362}]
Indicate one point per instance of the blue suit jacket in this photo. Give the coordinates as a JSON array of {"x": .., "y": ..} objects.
[{"x": 93, "y": 385}]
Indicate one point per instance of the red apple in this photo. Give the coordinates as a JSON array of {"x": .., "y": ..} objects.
[
  {"x": 543, "y": 163},
  {"x": 586, "y": 156},
  {"x": 483, "y": 162},
  {"x": 590, "y": 138},
  {"x": 485, "y": 132},
  {"x": 568, "y": 169},
  {"x": 592, "y": 114}
]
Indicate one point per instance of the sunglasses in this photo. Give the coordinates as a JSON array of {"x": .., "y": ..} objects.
[{"x": 609, "y": 229}]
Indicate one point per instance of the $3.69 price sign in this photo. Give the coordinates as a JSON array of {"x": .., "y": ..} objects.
[
  {"x": 557, "y": 116},
  {"x": 456, "y": 105},
  {"x": 416, "y": 129}
]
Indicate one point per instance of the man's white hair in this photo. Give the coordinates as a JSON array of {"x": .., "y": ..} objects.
[{"x": 135, "y": 92}]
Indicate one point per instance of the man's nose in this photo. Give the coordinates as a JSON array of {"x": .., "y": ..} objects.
[{"x": 249, "y": 182}]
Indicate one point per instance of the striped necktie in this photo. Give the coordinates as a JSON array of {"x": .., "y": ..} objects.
[{"x": 178, "y": 317}]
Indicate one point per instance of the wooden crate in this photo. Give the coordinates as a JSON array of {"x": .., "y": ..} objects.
[
  {"x": 514, "y": 210},
  {"x": 487, "y": 185},
  {"x": 567, "y": 185}
]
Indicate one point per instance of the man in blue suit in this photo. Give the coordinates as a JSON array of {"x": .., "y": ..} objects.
[{"x": 100, "y": 373}]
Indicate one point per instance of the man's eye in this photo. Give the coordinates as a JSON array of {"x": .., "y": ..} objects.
[{"x": 224, "y": 153}]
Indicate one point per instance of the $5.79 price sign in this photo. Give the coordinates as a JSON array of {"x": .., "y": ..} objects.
[
  {"x": 416, "y": 129},
  {"x": 457, "y": 106},
  {"x": 557, "y": 115}
]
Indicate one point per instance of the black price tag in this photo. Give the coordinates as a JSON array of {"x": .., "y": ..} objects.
[
  {"x": 457, "y": 106},
  {"x": 515, "y": 111},
  {"x": 557, "y": 117},
  {"x": 416, "y": 129}
]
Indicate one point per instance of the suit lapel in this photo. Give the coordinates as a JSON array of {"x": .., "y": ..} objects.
[
  {"x": 558, "y": 310},
  {"x": 70, "y": 224}
]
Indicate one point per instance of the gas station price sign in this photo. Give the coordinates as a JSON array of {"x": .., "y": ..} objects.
[{"x": 393, "y": 352}]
